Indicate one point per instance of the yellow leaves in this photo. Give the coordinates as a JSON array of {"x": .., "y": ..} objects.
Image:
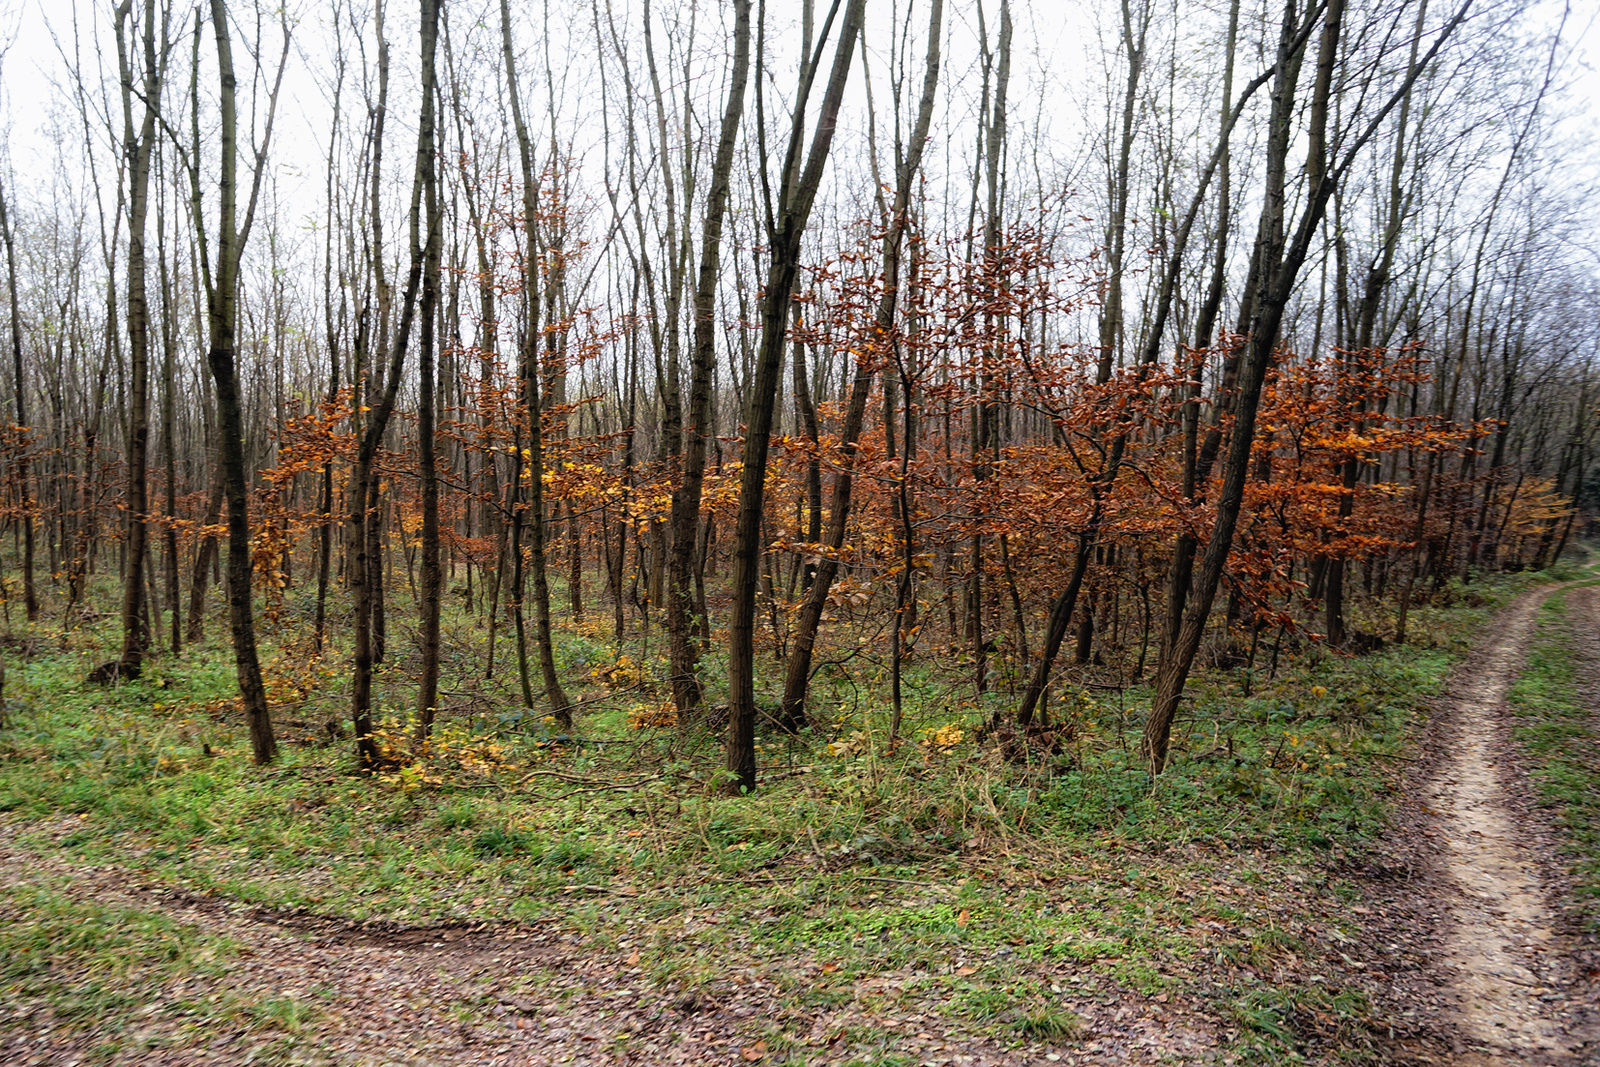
[
  {"x": 853, "y": 745},
  {"x": 622, "y": 673},
  {"x": 410, "y": 779},
  {"x": 645, "y": 716},
  {"x": 451, "y": 753},
  {"x": 1349, "y": 442},
  {"x": 943, "y": 738},
  {"x": 1536, "y": 504}
]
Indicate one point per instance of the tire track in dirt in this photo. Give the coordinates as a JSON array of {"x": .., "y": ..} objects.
[
  {"x": 1503, "y": 946},
  {"x": 491, "y": 996}
]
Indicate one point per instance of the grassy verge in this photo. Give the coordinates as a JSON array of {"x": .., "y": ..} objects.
[
  {"x": 1026, "y": 896},
  {"x": 106, "y": 980},
  {"x": 1556, "y": 730}
]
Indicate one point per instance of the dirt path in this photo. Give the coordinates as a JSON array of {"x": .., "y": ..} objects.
[
  {"x": 372, "y": 996},
  {"x": 497, "y": 996},
  {"x": 1504, "y": 947},
  {"x": 512, "y": 995}
]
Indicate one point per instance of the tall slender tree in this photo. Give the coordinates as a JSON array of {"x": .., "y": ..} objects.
[
  {"x": 24, "y": 469},
  {"x": 554, "y": 693},
  {"x": 220, "y": 256},
  {"x": 788, "y": 214},
  {"x": 432, "y": 577},
  {"x": 686, "y": 498},
  {"x": 137, "y": 146}
]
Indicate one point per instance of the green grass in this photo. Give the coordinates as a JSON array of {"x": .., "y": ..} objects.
[
  {"x": 985, "y": 890},
  {"x": 131, "y": 979},
  {"x": 91, "y": 961},
  {"x": 1557, "y": 733}
]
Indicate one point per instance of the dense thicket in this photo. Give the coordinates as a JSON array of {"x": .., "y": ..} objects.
[{"x": 877, "y": 330}]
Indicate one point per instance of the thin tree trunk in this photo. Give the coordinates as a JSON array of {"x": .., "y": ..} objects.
[
  {"x": 797, "y": 194},
  {"x": 365, "y": 515},
  {"x": 204, "y": 555},
  {"x": 553, "y": 691},
  {"x": 798, "y": 671},
  {"x": 222, "y": 311},
  {"x": 685, "y": 522},
  {"x": 432, "y": 578},
  {"x": 136, "y": 149},
  {"x": 30, "y": 593}
]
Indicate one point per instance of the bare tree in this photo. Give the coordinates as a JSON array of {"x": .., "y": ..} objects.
[
  {"x": 560, "y": 705},
  {"x": 432, "y": 578},
  {"x": 136, "y": 149},
  {"x": 220, "y": 258},
  {"x": 686, "y": 498},
  {"x": 788, "y": 214}
]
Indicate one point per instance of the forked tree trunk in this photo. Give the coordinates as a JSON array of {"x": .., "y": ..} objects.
[
  {"x": 1278, "y": 259},
  {"x": 798, "y": 671},
  {"x": 365, "y": 511},
  {"x": 797, "y": 194}
]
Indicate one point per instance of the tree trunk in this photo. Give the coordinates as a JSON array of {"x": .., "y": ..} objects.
[
  {"x": 136, "y": 149},
  {"x": 30, "y": 593},
  {"x": 553, "y": 691},
  {"x": 798, "y": 671},
  {"x": 798, "y": 192},
  {"x": 432, "y": 579},
  {"x": 686, "y": 689},
  {"x": 222, "y": 294}
]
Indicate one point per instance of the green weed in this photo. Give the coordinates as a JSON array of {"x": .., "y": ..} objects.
[
  {"x": 1557, "y": 732},
  {"x": 927, "y": 858}
]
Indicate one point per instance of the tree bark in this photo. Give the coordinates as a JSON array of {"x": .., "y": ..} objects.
[
  {"x": 797, "y": 194},
  {"x": 136, "y": 150},
  {"x": 685, "y": 522},
  {"x": 798, "y": 670},
  {"x": 432, "y": 578},
  {"x": 560, "y": 706},
  {"x": 222, "y": 292}
]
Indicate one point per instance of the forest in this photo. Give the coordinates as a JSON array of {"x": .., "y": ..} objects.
[{"x": 519, "y": 476}]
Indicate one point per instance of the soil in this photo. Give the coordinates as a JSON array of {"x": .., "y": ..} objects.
[
  {"x": 1472, "y": 954},
  {"x": 514, "y": 996},
  {"x": 1471, "y": 886},
  {"x": 1504, "y": 948}
]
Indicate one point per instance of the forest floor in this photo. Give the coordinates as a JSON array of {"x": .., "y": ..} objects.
[
  {"x": 159, "y": 906},
  {"x": 1489, "y": 871}
]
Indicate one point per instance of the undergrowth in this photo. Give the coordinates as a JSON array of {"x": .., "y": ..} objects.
[
  {"x": 1013, "y": 885},
  {"x": 1556, "y": 730}
]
